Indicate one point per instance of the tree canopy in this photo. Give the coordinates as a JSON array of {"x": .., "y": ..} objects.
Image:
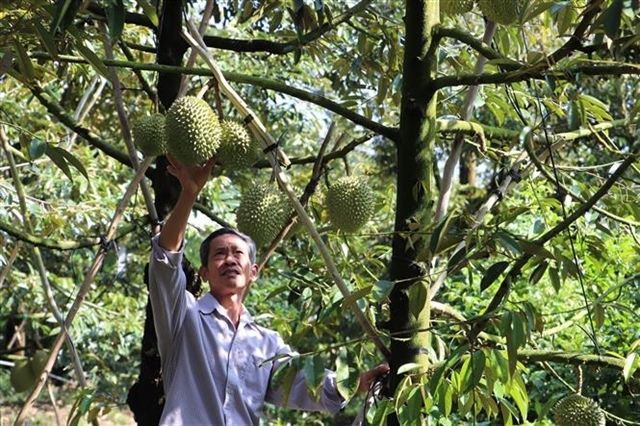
[{"x": 498, "y": 273}]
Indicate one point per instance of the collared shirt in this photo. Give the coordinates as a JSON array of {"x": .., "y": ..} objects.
[{"x": 213, "y": 373}]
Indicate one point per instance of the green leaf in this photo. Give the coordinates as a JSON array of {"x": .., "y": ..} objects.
[
  {"x": 508, "y": 412},
  {"x": 149, "y": 10},
  {"x": 380, "y": 412},
  {"x": 418, "y": 296},
  {"x": 474, "y": 370},
  {"x": 611, "y": 19},
  {"x": 381, "y": 290},
  {"x": 512, "y": 328},
  {"x": 47, "y": 40},
  {"x": 115, "y": 19},
  {"x": 538, "y": 273},
  {"x": 410, "y": 366},
  {"x": 439, "y": 232},
  {"x": 509, "y": 242},
  {"x": 356, "y": 295},
  {"x": 313, "y": 372},
  {"x": 347, "y": 376},
  {"x": 458, "y": 260},
  {"x": 555, "y": 279},
  {"x": 598, "y": 315},
  {"x": 37, "y": 148},
  {"x": 453, "y": 359},
  {"x": 630, "y": 366},
  {"x": 62, "y": 158},
  {"x": 24, "y": 62},
  {"x": 93, "y": 60},
  {"x": 65, "y": 13},
  {"x": 492, "y": 274},
  {"x": 565, "y": 18}
]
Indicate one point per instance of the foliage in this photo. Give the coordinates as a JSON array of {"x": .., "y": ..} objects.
[{"x": 523, "y": 295}]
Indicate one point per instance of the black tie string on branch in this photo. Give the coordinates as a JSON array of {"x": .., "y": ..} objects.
[{"x": 278, "y": 159}]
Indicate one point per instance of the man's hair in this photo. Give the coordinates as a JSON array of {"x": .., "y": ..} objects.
[{"x": 206, "y": 244}]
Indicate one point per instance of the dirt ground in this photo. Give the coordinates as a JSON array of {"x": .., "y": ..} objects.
[{"x": 46, "y": 416}]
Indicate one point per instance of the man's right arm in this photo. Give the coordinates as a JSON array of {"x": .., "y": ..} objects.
[{"x": 167, "y": 281}]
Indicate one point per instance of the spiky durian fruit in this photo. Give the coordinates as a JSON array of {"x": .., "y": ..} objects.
[
  {"x": 192, "y": 131},
  {"x": 455, "y": 7},
  {"x": 578, "y": 410},
  {"x": 262, "y": 213},
  {"x": 149, "y": 136},
  {"x": 500, "y": 11},
  {"x": 350, "y": 203},
  {"x": 237, "y": 148}
]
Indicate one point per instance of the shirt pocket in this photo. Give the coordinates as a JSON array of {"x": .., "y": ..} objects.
[{"x": 255, "y": 377}]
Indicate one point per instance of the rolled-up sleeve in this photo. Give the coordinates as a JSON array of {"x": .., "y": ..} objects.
[
  {"x": 299, "y": 398},
  {"x": 167, "y": 284}
]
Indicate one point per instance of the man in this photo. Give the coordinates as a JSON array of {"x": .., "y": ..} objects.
[{"x": 216, "y": 361}]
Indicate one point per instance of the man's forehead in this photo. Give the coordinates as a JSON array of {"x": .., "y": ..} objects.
[{"x": 228, "y": 240}]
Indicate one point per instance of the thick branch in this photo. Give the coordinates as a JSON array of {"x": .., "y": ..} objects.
[
  {"x": 574, "y": 358},
  {"x": 264, "y": 83},
  {"x": 255, "y": 45},
  {"x": 57, "y": 111},
  {"x": 49, "y": 243},
  {"x": 535, "y": 73}
]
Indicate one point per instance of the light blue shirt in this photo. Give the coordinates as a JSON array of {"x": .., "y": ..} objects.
[{"x": 214, "y": 374}]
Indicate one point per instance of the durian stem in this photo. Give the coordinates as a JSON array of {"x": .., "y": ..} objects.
[
  {"x": 579, "y": 379},
  {"x": 275, "y": 156}
]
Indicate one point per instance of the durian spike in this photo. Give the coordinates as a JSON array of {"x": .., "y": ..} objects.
[
  {"x": 258, "y": 129},
  {"x": 275, "y": 156}
]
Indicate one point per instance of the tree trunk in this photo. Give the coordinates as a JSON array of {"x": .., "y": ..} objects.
[
  {"x": 146, "y": 396},
  {"x": 409, "y": 305}
]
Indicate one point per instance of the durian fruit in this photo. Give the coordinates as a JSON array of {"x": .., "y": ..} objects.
[
  {"x": 262, "y": 213},
  {"x": 350, "y": 203},
  {"x": 455, "y": 7},
  {"x": 149, "y": 136},
  {"x": 237, "y": 148},
  {"x": 578, "y": 410},
  {"x": 21, "y": 376},
  {"x": 500, "y": 11},
  {"x": 39, "y": 361},
  {"x": 192, "y": 131}
]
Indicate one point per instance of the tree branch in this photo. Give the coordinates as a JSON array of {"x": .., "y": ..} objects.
[
  {"x": 57, "y": 111},
  {"x": 252, "y": 46},
  {"x": 516, "y": 269},
  {"x": 57, "y": 244}
]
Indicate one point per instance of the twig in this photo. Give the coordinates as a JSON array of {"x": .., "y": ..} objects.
[
  {"x": 12, "y": 258},
  {"x": 458, "y": 141},
  {"x": 126, "y": 132}
]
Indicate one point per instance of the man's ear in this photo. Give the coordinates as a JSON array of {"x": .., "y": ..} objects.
[
  {"x": 254, "y": 272},
  {"x": 202, "y": 271}
]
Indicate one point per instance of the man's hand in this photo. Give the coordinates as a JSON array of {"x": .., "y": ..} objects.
[
  {"x": 192, "y": 179},
  {"x": 369, "y": 377}
]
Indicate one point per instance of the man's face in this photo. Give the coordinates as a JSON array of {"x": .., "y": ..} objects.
[{"x": 229, "y": 269}]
